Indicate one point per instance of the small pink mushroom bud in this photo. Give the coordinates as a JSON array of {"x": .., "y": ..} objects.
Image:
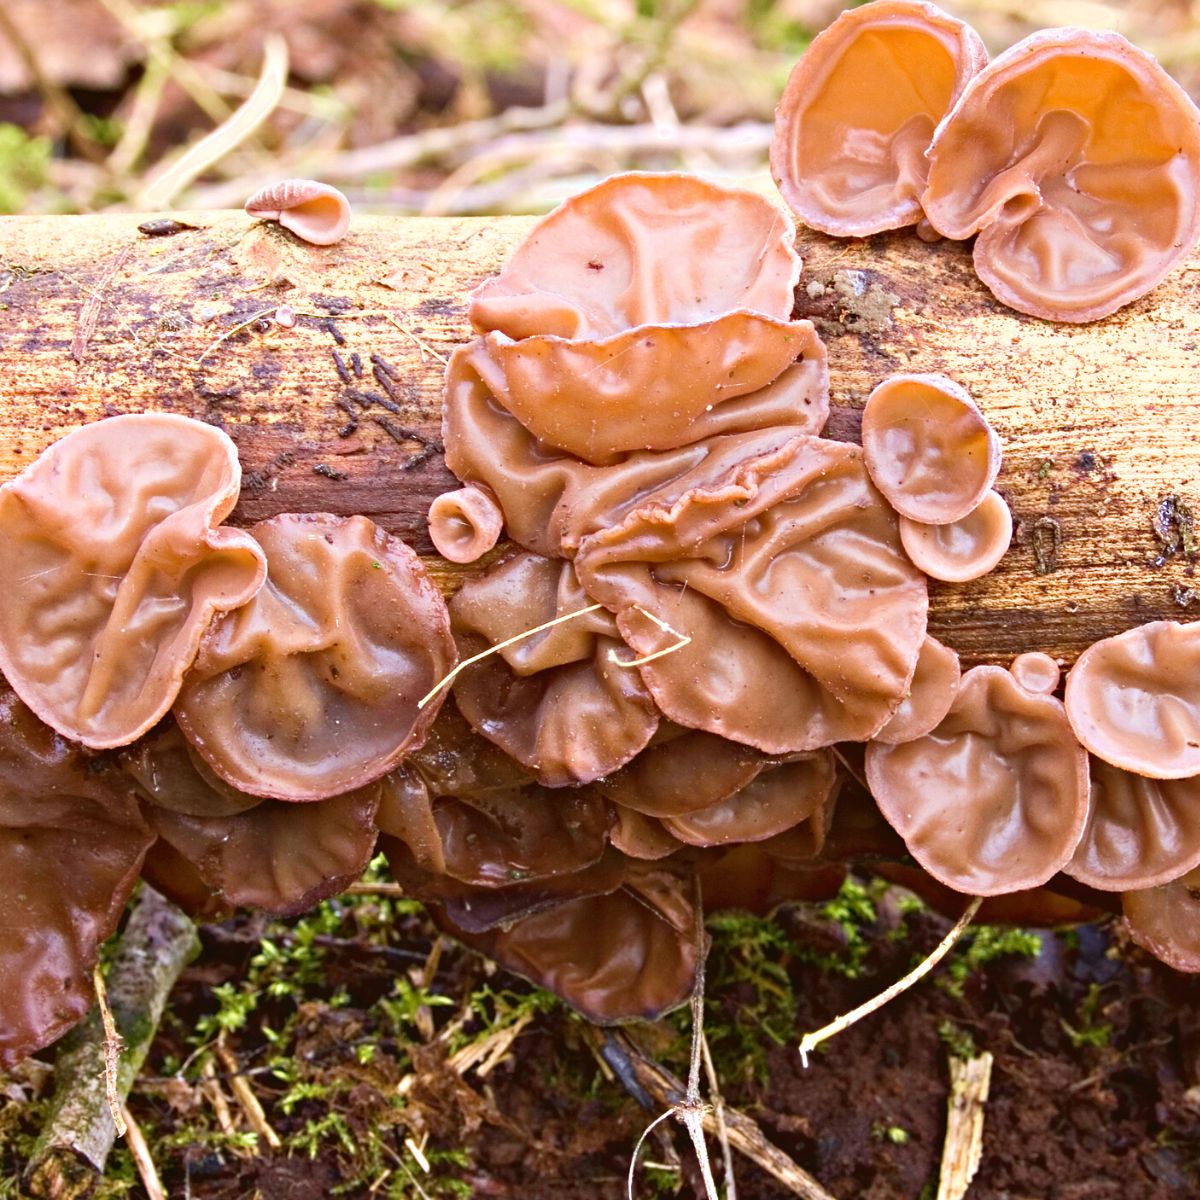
[
  {"x": 313, "y": 211},
  {"x": 464, "y": 525}
]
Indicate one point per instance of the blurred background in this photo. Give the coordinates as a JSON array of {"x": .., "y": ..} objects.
[{"x": 420, "y": 106}]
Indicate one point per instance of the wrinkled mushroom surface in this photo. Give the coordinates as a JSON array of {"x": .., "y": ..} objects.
[
  {"x": 1134, "y": 699},
  {"x": 860, "y": 110},
  {"x": 961, "y": 550},
  {"x": 643, "y": 249},
  {"x": 558, "y": 702},
  {"x": 116, "y": 567},
  {"x": 929, "y": 449},
  {"x": 995, "y": 798},
  {"x": 782, "y": 564},
  {"x": 1140, "y": 832},
  {"x": 1076, "y": 158},
  {"x": 311, "y": 690},
  {"x": 930, "y": 693},
  {"x": 465, "y": 524},
  {"x": 1166, "y": 921},
  {"x": 314, "y": 211},
  {"x": 72, "y": 840}
]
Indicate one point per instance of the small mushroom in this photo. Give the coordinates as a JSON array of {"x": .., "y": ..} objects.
[
  {"x": 859, "y": 112},
  {"x": 464, "y": 525},
  {"x": 643, "y": 249},
  {"x": 1140, "y": 832},
  {"x": 1166, "y": 921},
  {"x": 961, "y": 550},
  {"x": 314, "y": 211},
  {"x": 1076, "y": 159},
  {"x": 642, "y": 837},
  {"x": 995, "y": 798},
  {"x": 559, "y": 702},
  {"x": 312, "y": 690},
  {"x": 929, "y": 449},
  {"x": 117, "y": 565},
  {"x": 170, "y": 774},
  {"x": 930, "y": 694},
  {"x": 1036, "y": 672},
  {"x": 1134, "y": 699}
]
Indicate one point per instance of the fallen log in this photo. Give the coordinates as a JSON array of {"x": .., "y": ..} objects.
[{"x": 341, "y": 412}]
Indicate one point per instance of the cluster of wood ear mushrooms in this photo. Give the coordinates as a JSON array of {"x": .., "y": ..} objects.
[{"x": 708, "y": 611}]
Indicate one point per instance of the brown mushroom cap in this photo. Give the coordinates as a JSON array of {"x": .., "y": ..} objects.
[
  {"x": 860, "y": 109},
  {"x": 781, "y": 562},
  {"x": 1140, "y": 832},
  {"x": 995, "y": 798},
  {"x": 170, "y": 774},
  {"x": 314, "y": 211},
  {"x": 930, "y": 694},
  {"x": 559, "y": 702},
  {"x": 616, "y": 957},
  {"x": 961, "y": 550},
  {"x": 116, "y": 569},
  {"x": 929, "y": 449},
  {"x": 643, "y": 249},
  {"x": 639, "y": 836},
  {"x": 1134, "y": 699},
  {"x": 72, "y": 840},
  {"x": 1076, "y": 158},
  {"x": 647, "y": 388},
  {"x": 465, "y": 524},
  {"x": 750, "y": 877},
  {"x": 1166, "y": 921},
  {"x": 311, "y": 690}
]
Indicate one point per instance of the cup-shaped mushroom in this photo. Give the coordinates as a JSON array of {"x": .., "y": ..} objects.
[
  {"x": 170, "y": 774},
  {"x": 749, "y": 877},
  {"x": 775, "y": 801},
  {"x": 1036, "y": 672},
  {"x": 615, "y": 957},
  {"x": 860, "y": 110},
  {"x": 465, "y": 524},
  {"x": 1140, "y": 832},
  {"x": 282, "y": 858},
  {"x": 312, "y": 690},
  {"x": 930, "y": 694},
  {"x": 995, "y": 798},
  {"x": 1076, "y": 158},
  {"x": 313, "y": 211},
  {"x": 117, "y": 566},
  {"x": 166, "y": 870},
  {"x": 655, "y": 387},
  {"x": 643, "y": 249},
  {"x": 72, "y": 840},
  {"x": 1166, "y": 921},
  {"x": 642, "y": 837},
  {"x": 961, "y": 550},
  {"x": 560, "y": 702},
  {"x": 929, "y": 449},
  {"x": 1134, "y": 699},
  {"x": 782, "y": 564}
]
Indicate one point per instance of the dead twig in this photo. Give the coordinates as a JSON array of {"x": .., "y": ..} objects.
[
  {"x": 970, "y": 1079},
  {"x": 140, "y": 1149},
  {"x": 113, "y": 1045},
  {"x": 247, "y": 1101}
]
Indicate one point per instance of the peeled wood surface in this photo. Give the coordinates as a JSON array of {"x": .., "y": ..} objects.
[{"x": 1099, "y": 423}]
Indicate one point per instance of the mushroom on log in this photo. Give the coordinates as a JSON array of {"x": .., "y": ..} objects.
[{"x": 341, "y": 412}]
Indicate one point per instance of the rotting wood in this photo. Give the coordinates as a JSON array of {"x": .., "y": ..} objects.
[
  {"x": 970, "y": 1080},
  {"x": 157, "y": 942},
  {"x": 1097, "y": 421}
]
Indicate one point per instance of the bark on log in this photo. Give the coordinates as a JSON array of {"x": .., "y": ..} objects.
[{"x": 340, "y": 413}]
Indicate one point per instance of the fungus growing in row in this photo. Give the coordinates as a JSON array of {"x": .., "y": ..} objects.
[
  {"x": 930, "y": 693},
  {"x": 1076, "y": 158},
  {"x": 116, "y": 566},
  {"x": 314, "y": 211},
  {"x": 465, "y": 524},
  {"x": 782, "y": 564},
  {"x": 1166, "y": 921},
  {"x": 929, "y": 449},
  {"x": 1134, "y": 699},
  {"x": 1140, "y": 832},
  {"x": 72, "y": 840},
  {"x": 860, "y": 110},
  {"x": 559, "y": 702},
  {"x": 311, "y": 690},
  {"x": 643, "y": 249},
  {"x": 995, "y": 798},
  {"x": 961, "y": 550}
]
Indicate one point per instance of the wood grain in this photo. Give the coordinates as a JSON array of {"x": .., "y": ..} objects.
[{"x": 342, "y": 413}]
